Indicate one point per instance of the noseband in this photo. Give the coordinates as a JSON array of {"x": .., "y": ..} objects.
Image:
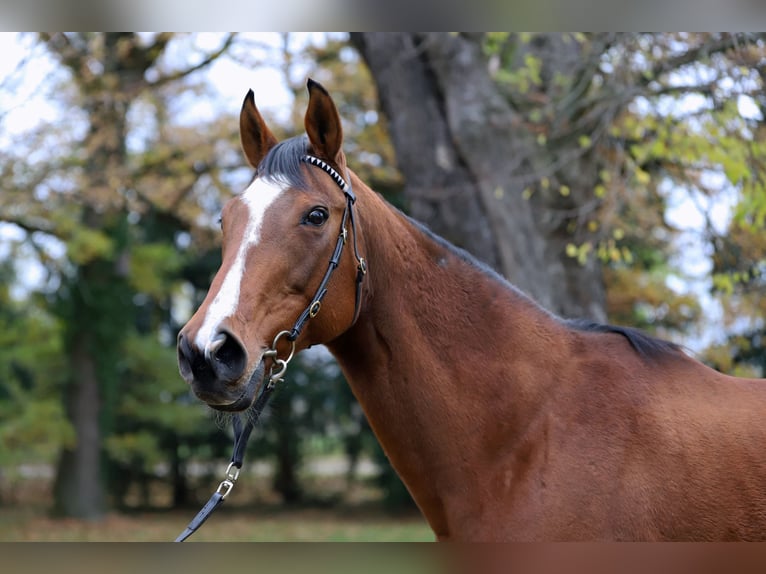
[{"x": 279, "y": 366}]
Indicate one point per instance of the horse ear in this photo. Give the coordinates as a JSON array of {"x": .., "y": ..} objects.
[
  {"x": 255, "y": 136},
  {"x": 322, "y": 124}
]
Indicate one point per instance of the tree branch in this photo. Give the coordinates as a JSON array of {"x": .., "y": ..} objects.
[
  {"x": 212, "y": 57},
  {"x": 71, "y": 56},
  {"x": 706, "y": 49},
  {"x": 29, "y": 226}
]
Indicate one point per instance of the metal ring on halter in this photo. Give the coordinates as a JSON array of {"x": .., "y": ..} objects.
[{"x": 273, "y": 351}]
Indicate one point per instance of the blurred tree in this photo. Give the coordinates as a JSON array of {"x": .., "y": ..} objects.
[
  {"x": 469, "y": 149},
  {"x": 740, "y": 280},
  {"x": 739, "y": 255},
  {"x": 691, "y": 130},
  {"x": 91, "y": 190},
  {"x": 33, "y": 426},
  {"x": 534, "y": 151}
]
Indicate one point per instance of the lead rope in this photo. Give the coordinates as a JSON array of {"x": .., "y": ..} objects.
[
  {"x": 241, "y": 436},
  {"x": 242, "y": 433}
]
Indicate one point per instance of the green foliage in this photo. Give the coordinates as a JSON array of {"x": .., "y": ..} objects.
[
  {"x": 86, "y": 245},
  {"x": 750, "y": 212},
  {"x": 495, "y": 42},
  {"x": 33, "y": 425},
  {"x": 153, "y": 267},
  {"x": 33, "y": 430},
  {"x": 742, "y": 355},
  {"x": 137, "y": 448},
  {"x": 153, "y": 395},
  {"x": 116, "y": 212},
  {"x": 642, "y": 298}
]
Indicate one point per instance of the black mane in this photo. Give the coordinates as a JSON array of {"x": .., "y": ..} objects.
[
  {"x": 283, "y": 162},
  {"x": 644, "y": 344}
]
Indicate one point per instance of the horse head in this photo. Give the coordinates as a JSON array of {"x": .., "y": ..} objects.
[{"x": 277, "y": 238}]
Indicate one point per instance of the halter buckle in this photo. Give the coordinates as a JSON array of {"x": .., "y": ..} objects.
[
  {"x": 225, "y": 488},
  {"x": 232, "y": 473},
  {"x": 277, "y": 377}
]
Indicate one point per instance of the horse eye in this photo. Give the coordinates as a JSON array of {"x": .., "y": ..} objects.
[{"x": 317, "y": 216}]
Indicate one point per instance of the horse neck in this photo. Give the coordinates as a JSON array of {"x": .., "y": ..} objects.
[{"x": 438, "y": 355}]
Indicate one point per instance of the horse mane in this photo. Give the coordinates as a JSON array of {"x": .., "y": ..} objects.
[{"x": 644, "y": 344}]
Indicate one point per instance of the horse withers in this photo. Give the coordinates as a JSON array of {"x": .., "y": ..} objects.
[{"x": 504, "y": 421}]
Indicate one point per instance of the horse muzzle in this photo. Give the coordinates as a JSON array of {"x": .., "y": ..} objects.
[{"x": 216, "y": 374}]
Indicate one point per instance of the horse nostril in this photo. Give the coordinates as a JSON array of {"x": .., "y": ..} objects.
[
  {"x": 214, "y": 345},
  {"x": 226, "y": 356},
  {"x": 224, "y": 359},
  {"x": 185, "y": 357}
]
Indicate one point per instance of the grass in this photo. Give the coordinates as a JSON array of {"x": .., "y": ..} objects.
[
  {"x": 25, "y": 518},
  {"x": 232, "y": 525}
]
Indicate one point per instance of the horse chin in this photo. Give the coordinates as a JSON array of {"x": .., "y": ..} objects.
[{"x": 252, "y": 386}]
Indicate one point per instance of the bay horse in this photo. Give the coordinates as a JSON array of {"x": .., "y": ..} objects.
[{"x": 504, "y": 421}]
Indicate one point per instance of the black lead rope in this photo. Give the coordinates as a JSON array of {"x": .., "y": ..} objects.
[
  {"x": 241, "y": 436},
  {"x": 242, "y": 433}
]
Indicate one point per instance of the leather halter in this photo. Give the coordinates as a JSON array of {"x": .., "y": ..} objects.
[
  {"x": 242, "y": 432},
  {"x": 361, "y": 269}
]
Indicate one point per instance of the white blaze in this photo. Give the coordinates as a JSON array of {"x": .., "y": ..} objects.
[{"x": 258, "y": 197}]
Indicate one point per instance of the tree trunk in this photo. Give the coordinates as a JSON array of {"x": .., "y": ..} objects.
[
  {"x": 178, "y": 478},
  {"x": 96, "y": 301},
  {"x": 78, "y": 489},
  {"x": 286, "y": 481},
  {"x": 467, "y": 157}
]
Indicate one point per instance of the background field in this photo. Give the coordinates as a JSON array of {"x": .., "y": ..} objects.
[
  {"x": 227, "y": 525},
  {"x": 252, "y": 513},
  {"x": 249, "y": 515}
]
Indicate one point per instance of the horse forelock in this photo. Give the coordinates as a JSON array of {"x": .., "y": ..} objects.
[{"x": 284, "y": 163}]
